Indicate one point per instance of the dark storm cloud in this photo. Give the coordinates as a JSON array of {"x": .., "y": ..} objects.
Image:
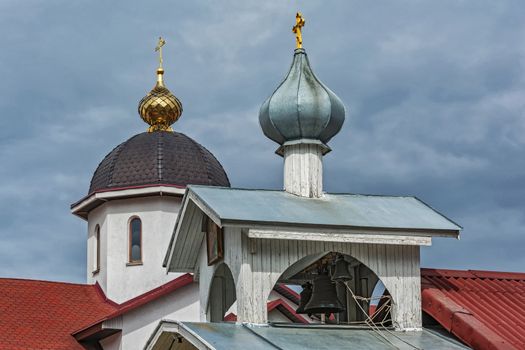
[{"x": 434, "y": 91}]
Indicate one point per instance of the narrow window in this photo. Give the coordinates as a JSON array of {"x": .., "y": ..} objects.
[
  {"x": 135, "y": 241},
  {"x": 96, "y": 252}
]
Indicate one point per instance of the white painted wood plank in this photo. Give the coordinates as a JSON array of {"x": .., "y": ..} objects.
[
  {"x": 303, "y": 170},
  {"x": 244, "y": 285},
  {"x": 283, "y": 255},
  {"x": 257, "y": 282},
  {"x": 192, "y": 249},
  {"x": 340, "y": 237},
  {"x": 180, "y": 256},
  {"x": 292, "y": 249}
]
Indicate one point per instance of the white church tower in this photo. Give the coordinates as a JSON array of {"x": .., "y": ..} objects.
[{"x": 135, "y": 196}]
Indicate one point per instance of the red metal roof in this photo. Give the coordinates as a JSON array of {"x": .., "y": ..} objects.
[
  {"x": 134, "y": 303},
  {"x": 288, "y": 293},
  {"x": 44, "y": 315},
  {"x": 280, "y": 305},
  {"x": 484, "y": 309}
]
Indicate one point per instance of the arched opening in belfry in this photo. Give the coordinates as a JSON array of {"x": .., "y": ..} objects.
[
  {"x": 222, "y": 295},
  {"x": 333, "y": 288},
  {"x": 379, "y": 305}
]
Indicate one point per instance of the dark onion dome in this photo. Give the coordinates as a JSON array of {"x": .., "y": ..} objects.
[
  {"x": 158, "y": 158},
  {"x": 301, "y": 108}
]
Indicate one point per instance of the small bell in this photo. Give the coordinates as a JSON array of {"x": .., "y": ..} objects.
[
  {"x": 324, "y": 297},
  {"x": 306, "y": 293},
  {"x": 341, "y": 273}
]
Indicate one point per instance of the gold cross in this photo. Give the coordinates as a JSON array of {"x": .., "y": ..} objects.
[
  {"x": 158, "y": 48},
  {"x": 299, "y": 23}
]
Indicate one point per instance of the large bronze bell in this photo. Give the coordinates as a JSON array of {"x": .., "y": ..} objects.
[
  {"x": 324, "y": 297},
  {"x": 341, "y": 273},
  {"x": 306, "y": 293}
]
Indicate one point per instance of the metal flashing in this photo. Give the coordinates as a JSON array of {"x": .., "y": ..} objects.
[
  {"x": 324, "y": 147},
  {"x": 90, "y": 202}
]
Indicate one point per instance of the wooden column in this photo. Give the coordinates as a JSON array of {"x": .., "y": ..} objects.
[{"x": 303, "y": 170}]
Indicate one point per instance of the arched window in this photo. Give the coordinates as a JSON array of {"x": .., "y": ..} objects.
[
  {"x": 96, "y": 250},
  {"x": 135, "y": 240}
]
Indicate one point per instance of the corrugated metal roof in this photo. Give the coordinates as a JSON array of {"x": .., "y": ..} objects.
[
  {"x": 222, "y": 336},
  {"x": 484, "y": 309},
  {"x": 340, "y": 210}
]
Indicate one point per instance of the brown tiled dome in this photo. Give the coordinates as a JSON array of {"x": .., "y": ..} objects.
[{"x": 155, "y": 158}]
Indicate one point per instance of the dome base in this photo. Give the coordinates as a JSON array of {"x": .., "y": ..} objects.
[{"x": 324, "y": 148}]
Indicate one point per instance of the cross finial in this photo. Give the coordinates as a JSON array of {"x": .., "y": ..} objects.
[
  {"x": 299, "y": 23},
  {"x": 158, "y": 48}
]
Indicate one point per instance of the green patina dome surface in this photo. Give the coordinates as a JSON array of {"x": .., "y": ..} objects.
[{"x": 301, "y": 107}]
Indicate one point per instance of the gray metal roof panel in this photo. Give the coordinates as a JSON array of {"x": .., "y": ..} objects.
[
  {"x": 341, "y": 210},
  {"x": 235, "y": 336}
]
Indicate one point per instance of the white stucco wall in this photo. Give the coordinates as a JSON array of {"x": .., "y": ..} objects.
[
  {"x": 119, "y": 280},
  {"x": 97, "y": 217},
  {"x": 139, "y": 324}
]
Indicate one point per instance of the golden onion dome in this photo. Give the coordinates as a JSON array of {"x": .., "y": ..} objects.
[{"x": 160, "y": 108}]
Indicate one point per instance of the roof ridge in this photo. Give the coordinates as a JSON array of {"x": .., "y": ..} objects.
[
  {"x": 327, "y": 193},
  {"x": 44, "y": 281},
  {"x": 160, "y": 156},
  {"x": 428, "y": 272},
  {"x": 236, "y": 188},
  {"x": 502, "y": 274}
]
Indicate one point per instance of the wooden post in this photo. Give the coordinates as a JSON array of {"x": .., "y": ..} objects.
[{"x": 303, "y": 170}]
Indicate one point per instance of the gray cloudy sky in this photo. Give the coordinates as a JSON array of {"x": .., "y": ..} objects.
[{"x": 435, "y": 93}]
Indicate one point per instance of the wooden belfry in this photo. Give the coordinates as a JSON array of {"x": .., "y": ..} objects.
[
  {"x": 273, "y": 236},
  {"x": 277, "y": 236}
]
